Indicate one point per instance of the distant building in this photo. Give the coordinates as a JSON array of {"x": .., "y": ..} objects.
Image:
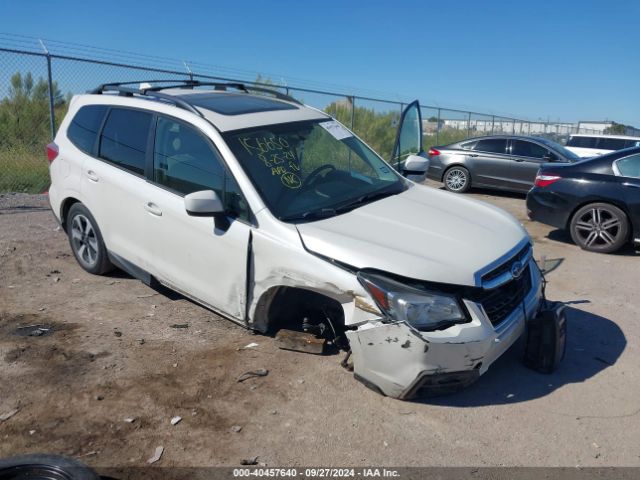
[
  {"x": 519, "y": 127},
  {"x": 606, "y": 126}
]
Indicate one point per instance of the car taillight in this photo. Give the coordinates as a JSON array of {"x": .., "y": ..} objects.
[
  {"x": 52, "y": 152},
  {"x": 433, "y": 152},
  {"x": 546, "y": 180}
]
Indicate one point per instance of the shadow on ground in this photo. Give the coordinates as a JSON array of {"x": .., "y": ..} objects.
[{"x": 594, "y": 343}]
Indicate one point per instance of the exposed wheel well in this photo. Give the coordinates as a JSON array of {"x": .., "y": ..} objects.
[
  {"x": 285, "y": 307},
  {"x": 64, "y": 210}
]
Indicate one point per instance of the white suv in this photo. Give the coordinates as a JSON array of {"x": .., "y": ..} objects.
[
  {"x": 587, "y": 146},
  {"x": 274, "y": 215}
]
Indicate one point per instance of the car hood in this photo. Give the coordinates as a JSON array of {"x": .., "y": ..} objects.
[{"x": 422, "y": 233}]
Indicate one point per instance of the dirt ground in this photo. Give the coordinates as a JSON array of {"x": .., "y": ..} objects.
[{"x": 113, "y": 352}]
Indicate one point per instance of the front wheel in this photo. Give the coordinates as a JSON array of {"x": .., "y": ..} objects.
[
  {"x": 86, "y": 240},
  {"x": 599, "y": 227},
  {"x": 457, "y": 179}
]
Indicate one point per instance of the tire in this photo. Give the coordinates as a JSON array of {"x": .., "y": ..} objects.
[
  {"x": 457, "y": 179},
  {"x": 45, "y": 466},
  {"x": 599, "y": 227},
  {"x": 86, "y": 240}
]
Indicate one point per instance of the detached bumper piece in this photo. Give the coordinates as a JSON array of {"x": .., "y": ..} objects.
[
  {"x": 430, "y": 385},
  {"x": 546, "y": 338}
]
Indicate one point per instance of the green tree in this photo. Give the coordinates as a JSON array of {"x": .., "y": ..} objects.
[
  {"x": 24, "y": 113},
  {"x": 25, "y": 130},
  {"x": 616, "y": 129},
  {"x": 377, "y": 129}
]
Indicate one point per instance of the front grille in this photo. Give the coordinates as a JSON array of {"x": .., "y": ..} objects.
[
  {"x": 499, "y": 302},
  {"x": 521, "y": 257}
]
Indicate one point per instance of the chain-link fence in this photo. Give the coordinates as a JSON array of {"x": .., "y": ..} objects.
[{"x": 35, "y": 89}]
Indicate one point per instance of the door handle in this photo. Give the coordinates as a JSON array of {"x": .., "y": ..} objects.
[
  {"x": 473, "y": 154},
  {"x": 153, "y": 209},
  {"x": 519, "y": 160},
  {"x": 91, "y": 175}
]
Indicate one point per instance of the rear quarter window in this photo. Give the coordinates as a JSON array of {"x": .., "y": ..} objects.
[
  {"x": 629, "y": 166},
  {"x": 611, "y": 143},
  {"x": 492, "y": 145},
  {"x": 124, "y": 139},
  {"x": 583, "y": 142},
  {"x": 84, "y": 127}
]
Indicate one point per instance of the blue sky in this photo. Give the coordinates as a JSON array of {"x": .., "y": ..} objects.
[{"x": 567, "y": 60}]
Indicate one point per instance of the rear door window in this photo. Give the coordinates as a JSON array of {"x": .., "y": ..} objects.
[
  {"x": 83, "y": 129},
  {"x": 124, "y": 139},
  {"x": 611, "y": 143},
  {"x": 583, "y": 142},
  {"x": 528, "y": 149},
  {"x": 491, "y": 145},
  {"x": 629, "y": 166}
]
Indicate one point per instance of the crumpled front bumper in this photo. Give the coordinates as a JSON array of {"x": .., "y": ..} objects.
[{"x": 400, "y": 362}]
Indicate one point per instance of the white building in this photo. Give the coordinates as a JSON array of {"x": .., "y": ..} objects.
[{"x": 518, "y": 127}]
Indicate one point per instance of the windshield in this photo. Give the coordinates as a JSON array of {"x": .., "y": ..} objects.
[
  {"x": 306, "y": 170},
  {"x": 568, "y": 154}
]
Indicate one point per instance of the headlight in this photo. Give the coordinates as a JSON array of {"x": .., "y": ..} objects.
[{"x": 422, "y": 309}]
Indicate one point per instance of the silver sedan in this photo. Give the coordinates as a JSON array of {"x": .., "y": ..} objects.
[{"x": 502, "y": 162}]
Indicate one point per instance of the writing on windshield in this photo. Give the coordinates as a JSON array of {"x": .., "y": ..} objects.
[{"x": 276, "y": 154}]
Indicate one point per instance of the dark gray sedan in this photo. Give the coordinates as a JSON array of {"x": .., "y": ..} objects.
[{"x": 503, "y": 162}]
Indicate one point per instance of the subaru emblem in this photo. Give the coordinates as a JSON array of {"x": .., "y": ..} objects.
[{"x": 516, "y": 269}]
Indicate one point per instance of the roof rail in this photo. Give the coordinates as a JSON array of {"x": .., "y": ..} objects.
[
  {"x": 224, "y": 85},
  {"x": 155, "y": 91},
  {"x": 130, "y": 92}
]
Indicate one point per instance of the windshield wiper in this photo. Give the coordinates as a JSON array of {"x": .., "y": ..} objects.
[
  {"x": 332, "y": 212},
  {"x": 368, "y": 198},
  {"x": 312, "y": 214}
]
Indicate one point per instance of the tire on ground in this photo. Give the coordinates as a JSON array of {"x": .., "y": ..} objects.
[
  {"x": 101, "y": 263},
  {"x": 617, "y": 235},
  {"x": 45, "y": 466},
  {"x": 460, "y": 181}
]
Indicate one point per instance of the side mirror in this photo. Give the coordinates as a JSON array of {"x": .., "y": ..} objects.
[
  {"x": 415, "y": 168},
  {"x": 204, "y": 203},
  {"x": 416, "y": 163}
]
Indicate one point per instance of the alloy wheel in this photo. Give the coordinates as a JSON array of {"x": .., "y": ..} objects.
[
  {"x": 84, "y": 240},
  {"x": 598, "y": 227},
  {"x": 456, "y": 179}
]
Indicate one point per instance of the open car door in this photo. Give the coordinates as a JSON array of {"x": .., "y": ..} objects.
[{"x": 408, "y": 156}]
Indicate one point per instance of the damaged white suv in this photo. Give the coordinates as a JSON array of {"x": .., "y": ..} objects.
[{"x": 276, "y": 216}]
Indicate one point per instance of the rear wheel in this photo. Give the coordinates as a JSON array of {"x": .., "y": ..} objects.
[
  {"x": 599, "y": 227},
  {"x": 86, "y": 240},
  {"x": 457, "y": 179}
]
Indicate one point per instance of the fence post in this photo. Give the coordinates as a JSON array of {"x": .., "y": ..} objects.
[
  {"x": 513, "y": 126},
  {"x": 469, "y": 125},
  {"x": 353, "y": 111},
  {"x": 52, "y": 116},
  {"x": 188, "y": 70},
  {"x": 438, "y": 129},
  {"x": 493, "y": 121}
]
